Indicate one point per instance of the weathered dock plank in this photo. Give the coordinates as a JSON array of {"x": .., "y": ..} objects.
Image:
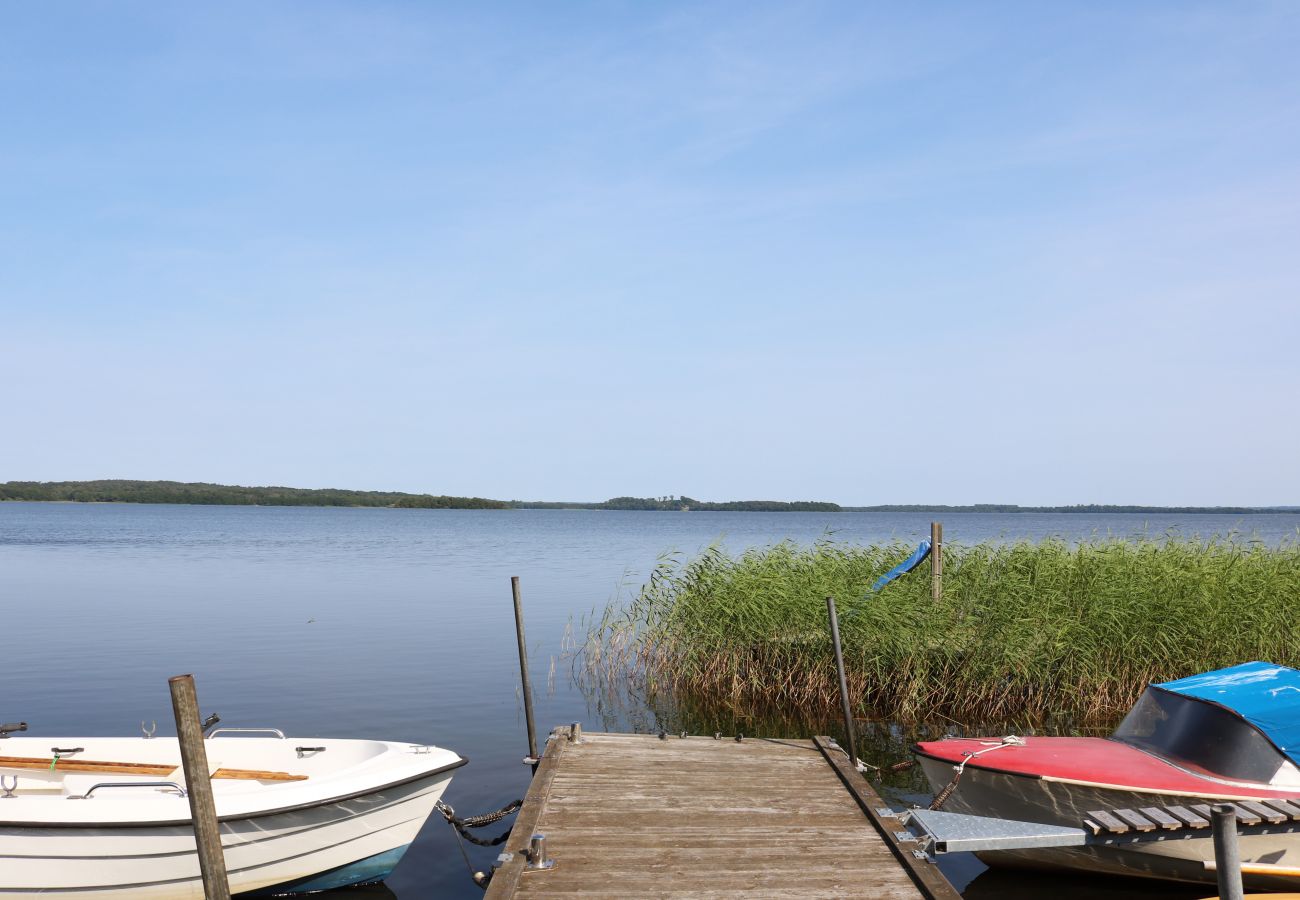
[{"x": 636, "y": 815}]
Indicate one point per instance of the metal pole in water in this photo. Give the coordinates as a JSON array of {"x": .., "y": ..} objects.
[
  {"x": 1227, "y": 856},
  {"x": 936, "y": 561},
  {"x": 844, "y": 684},
  {"x": 523, "y": 669},
  {"x": 194, "y": 759}
]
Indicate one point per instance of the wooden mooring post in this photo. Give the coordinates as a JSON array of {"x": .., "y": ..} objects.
[
  {"x": 936, "y": 561},
  {"x": 526, "y": 682},
  {"x": 844, "y": 683},
  {"x": 198, "y": 787}
]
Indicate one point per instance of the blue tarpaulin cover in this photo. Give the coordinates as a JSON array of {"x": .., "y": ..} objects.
[
  {"x": 1264, "y": 694},
  {"x": 907, "y": 565}
]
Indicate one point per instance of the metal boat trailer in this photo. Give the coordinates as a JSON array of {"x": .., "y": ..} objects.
[{"x": 936, "y": 832}]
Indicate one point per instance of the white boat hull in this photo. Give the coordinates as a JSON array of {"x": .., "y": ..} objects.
[{"x": 283, "y": 838}]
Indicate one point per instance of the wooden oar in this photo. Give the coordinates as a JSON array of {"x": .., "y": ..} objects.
[
  {"x": 256, "y": 775},
  {"x": 127, "y": 768},
  {"x": 84, "y": 765}
]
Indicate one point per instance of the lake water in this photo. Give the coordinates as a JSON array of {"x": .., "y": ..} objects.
[{"x": 394, "y": 624}]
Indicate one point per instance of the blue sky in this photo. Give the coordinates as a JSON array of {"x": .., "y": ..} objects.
[{"x": 998, "y": 252}]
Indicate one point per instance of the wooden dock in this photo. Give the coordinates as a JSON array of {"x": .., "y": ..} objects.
[{"x": 642, "y": 816}]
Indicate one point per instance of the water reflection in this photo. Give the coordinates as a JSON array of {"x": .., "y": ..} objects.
[
  {"x": 397, "y": 624},
  {"x": 362, "y": 892},
  {"x": 1000, "y": 884}
]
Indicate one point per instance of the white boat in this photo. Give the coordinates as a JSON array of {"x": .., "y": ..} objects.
[
  {"x": 1223, "y": 736},
  {"x": 109, "y": 818}
]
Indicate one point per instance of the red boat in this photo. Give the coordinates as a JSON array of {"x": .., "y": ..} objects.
[{"x": 1221, "y": 736}]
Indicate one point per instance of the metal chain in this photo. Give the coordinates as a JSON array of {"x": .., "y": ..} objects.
[
  {"x": 461, "y": 825},
  {"x": 1010, "y": 740}
]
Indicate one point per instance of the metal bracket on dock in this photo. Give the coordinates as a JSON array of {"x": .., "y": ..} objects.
[
  {"x": 953, "y": 832},
  {"x": 956, "y": 832},
  {"x": 537, "y": 858}
]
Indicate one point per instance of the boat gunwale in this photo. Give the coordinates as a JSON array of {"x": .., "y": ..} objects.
[
  {"x": 972, "y": 763},
  {"x": 1263, "y": 791},
  {"x": 260, "y": 814}
]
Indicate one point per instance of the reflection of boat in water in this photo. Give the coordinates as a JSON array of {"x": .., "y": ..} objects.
[
  {"x": 362, "y": 892},
  {"x": 1232, "y": 734},
  {"x": 108, "y": 817}
]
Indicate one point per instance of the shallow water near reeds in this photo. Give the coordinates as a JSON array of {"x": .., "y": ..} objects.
[{"x": 397, "y": 624}]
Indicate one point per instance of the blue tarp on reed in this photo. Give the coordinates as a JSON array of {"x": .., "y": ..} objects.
[{"x": 918, "y": 556}]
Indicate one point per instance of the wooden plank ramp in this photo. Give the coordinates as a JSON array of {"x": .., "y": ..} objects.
[
  {"x": 1249, "y": 813},
  {"x": 642, "y": 816}
]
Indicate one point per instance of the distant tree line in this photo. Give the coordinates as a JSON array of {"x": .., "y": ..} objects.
[
  {"x": 124, "y": 491},
  {"x": 121, "y": 491}
]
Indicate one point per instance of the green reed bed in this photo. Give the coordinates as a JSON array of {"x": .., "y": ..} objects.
[{"x": 1023, "y": 630}]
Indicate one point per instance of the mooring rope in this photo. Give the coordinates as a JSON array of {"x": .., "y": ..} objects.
[
  {"x": 863, "y": 766},
  {"x": 461, "y": 825},
  {"x": 469, "y": 867},
  {"x": 1010, "y": 740}
]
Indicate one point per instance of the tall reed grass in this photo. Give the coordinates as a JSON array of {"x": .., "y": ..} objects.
[{"x": 1024, "y": 630}]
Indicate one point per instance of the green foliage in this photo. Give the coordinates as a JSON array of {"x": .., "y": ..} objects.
[
  {"x": 1024, "y": 630},
  {"x": 118, "y": 491}
]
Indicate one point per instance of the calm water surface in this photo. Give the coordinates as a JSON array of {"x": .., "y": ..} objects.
[{"x": 396, "y": 624}]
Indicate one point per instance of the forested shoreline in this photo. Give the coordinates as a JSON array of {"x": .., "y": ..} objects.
[
  {"x": 202, "y": 493},
  {"x": 116, "y": 490}
]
